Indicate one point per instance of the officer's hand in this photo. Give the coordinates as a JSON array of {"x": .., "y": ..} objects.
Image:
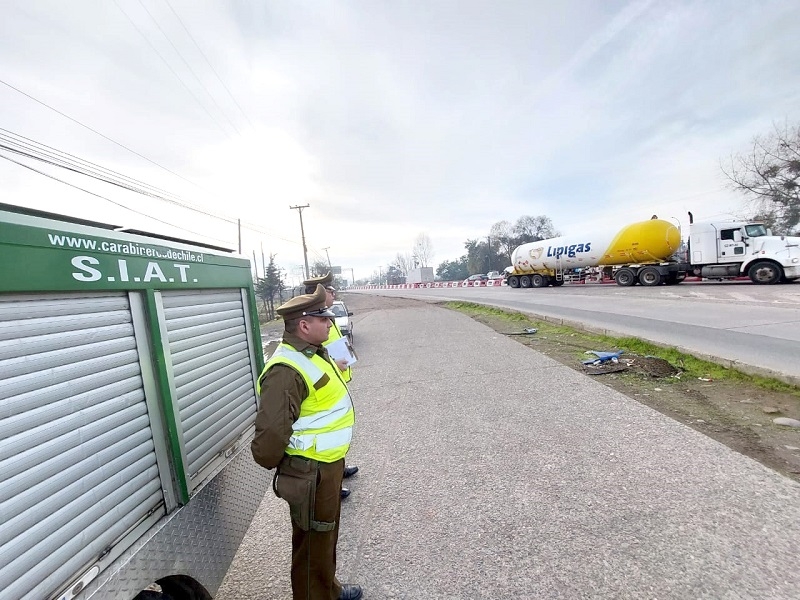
[{"x": 342, "y": 364}]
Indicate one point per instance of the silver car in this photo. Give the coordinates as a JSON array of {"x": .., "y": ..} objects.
[{"x": 343, "y": 320}]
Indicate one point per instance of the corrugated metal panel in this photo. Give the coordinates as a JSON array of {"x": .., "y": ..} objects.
[
  {"x": 77, "y": 462},
  {"x": 212, "y": 371}
]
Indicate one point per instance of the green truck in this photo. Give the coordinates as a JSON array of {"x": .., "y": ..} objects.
[{"x": 128, "y": 364}]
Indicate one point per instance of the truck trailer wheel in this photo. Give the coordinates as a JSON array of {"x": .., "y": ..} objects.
[
  {"x": 524, "y": 281},
  {"x": 180, "y": 587},
  {"x": 538, "y": 281},
  {"x": 513, "y": 281},
  {"x": 625, "y": 277},
  {"x": 650, "y": 276},
  {"x": 765, "y": 272}
]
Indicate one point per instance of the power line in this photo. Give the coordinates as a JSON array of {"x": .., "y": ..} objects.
[
  {"x": 70, "y": 159},
  {"x": 49, "y": 155},
  {"x": 164, "y": 60},
  {"x": 191, "y": 37},
  {"x": 52, "y": 156},
  {"x": 66, "y": 116},
  {"x": 189, "y": 67},
  {"x": 109, "y": 200}
]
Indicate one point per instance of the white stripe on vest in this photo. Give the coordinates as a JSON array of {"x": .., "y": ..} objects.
[
  {"x": 325, "y": 417},
  {"x": 324, "y": 441}
]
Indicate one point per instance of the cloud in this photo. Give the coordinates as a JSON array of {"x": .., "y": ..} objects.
[{"x": 392, "y": 119}]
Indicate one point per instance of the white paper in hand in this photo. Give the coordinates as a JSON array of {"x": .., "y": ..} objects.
[{"x": 340, "y": 350}]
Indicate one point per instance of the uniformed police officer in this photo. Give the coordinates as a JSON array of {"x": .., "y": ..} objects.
[
  {"x": 303, "y": 427},
  {"x": 326, "y": 281}
]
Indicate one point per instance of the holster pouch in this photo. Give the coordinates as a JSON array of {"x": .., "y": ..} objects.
[{"x": 296, "y": 481}]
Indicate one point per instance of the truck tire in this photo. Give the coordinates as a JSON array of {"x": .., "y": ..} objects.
[
  {"x": 650, "y": 276},
  {"x": 538, "y": 281},
  {"x": 513, "y": 281},
  {"x": 557, "y": 282},
  {"x": 625, "y": 277},
  {"x": 524, "y": 281},
  {"x": 183, "y": 588},
  {"x": 765, "y": 273}
]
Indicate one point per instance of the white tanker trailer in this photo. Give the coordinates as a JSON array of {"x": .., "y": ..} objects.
[{"x": 649, "y": 252}]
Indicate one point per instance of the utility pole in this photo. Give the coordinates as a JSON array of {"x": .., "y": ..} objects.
[
  {"x": 302, "y": 234},
  {"x": 329, "y": 256},
  {"x": 380, "y": 275},
  {"x": 352, "y": 276}
]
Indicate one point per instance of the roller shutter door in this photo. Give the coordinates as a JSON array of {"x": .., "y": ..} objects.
[
  {"x": 77, "y": 462},
  {"x": 213, "y": 371}
]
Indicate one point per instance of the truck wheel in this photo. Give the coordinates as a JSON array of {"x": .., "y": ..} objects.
[
  {"x": 765, "y": 273},
  {"x": 650, "y": 276},
  {"x": 538, "y": 281},
  {"x": 181, "y": 587},
  {"x": 557, "y": 282},
  {"x": 513, "y": 281},
  {"x": 525, "y": 281},
  {"x": 625, "y": 277}
]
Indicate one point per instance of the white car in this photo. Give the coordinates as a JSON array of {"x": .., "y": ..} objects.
[{"x": 343, "y": 320}]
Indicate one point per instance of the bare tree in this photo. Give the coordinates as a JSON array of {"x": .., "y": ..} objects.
[
  {"x": 403, "y": 262},
  {"x": 533, "y": 229},
  {"x": 319, "y": 267},
  {"x": 423, "y": 250},
  {"x": 501, "y": 237},
  {"x": 769, "y": 174}
]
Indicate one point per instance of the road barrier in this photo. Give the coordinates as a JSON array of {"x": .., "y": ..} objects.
[{"x": 431, "y": 284}]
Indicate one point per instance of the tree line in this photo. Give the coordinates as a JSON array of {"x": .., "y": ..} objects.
[{"x": 493, "y": 253}]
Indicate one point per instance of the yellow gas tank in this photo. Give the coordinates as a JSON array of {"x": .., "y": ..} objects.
[{"x": 646, "y": 241}]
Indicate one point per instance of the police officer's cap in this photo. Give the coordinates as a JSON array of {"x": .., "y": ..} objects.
[
  {"x": 313, "y": 305},
  {"x": 325, "y": 280}
]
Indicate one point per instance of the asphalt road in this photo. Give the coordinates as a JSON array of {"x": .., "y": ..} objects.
[
  {"x": 754, "y": 328},
  {"x": 489, "y": 471}
]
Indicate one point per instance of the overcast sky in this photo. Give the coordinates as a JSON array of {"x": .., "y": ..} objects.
[{"x": 393, "y": 118}]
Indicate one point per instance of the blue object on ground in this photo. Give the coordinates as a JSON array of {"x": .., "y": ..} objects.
[{"x": 602, "y": 357}]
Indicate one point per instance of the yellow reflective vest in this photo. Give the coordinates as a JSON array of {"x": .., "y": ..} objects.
[
  {"x": 325, "y": 426},
  {"x": 333, "y": 335}
]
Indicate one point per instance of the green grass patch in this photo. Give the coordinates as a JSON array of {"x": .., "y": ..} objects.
[{"x": 583, "y": 341}]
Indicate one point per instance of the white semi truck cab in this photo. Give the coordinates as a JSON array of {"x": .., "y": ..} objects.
[{"x": 738, "y": 248}]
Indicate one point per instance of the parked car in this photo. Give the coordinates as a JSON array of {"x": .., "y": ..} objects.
[
  {"x": 343, "y": 320},
  {"x": 477, "y": 277}
]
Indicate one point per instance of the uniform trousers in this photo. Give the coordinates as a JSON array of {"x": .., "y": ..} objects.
[{"x": 314, "y": 552}]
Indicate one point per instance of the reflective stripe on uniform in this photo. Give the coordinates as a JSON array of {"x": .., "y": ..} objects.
[
  {"x": 324, "y": 418},
  {"x": 324, "y": 441},
  {"x": 312, "y": 370}
]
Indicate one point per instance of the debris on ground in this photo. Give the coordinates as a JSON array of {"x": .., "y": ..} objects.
[
  {"x": 612, "y": 362},
  {"x": 604, "y": 368},
  {"x": 525, "y": 331},
  {"x": 602, "y": 357}
]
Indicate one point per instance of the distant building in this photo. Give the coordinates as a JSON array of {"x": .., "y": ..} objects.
[{"x": 420, "y": 275}]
